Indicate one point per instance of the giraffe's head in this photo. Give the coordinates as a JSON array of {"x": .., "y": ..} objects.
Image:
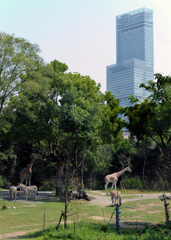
[
  {"x": 9, "y": 184},
  {"x": 33, "y": 155},
  {"x": 129, "y": 169}
]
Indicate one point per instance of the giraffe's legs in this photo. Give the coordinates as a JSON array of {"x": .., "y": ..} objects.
[
  {"x": 26, "y": 194},
  {"x": 21, "y": 180},
  {"x": 106, "y": 187},
  {"x": 26, "y": 181},
  {"x": 30, "y": 180},
  {"x": 112, "y": 186}
]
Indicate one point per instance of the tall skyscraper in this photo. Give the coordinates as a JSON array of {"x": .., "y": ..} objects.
[{"x": 134, "y": 55}]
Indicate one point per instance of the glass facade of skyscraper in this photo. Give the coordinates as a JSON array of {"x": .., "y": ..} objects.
[{"x": 134, "y": 55}]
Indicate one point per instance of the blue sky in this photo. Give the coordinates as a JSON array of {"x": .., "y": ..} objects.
[{"x": 81, "y": 33}]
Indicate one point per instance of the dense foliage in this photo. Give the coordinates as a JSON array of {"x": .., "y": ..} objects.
[
  {"x": 76, "y": 132},
  {"x": 152, "y": 119},
  {"x": 59, "y": 115},
  {"x": 74, "y": 128}
]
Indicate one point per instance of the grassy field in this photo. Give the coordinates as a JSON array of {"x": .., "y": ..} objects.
[{"x": 30, "y": 216}]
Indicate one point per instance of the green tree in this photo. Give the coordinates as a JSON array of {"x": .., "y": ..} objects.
[
  {"x": 144, "y": 152},
  {"x": 153, "y": 118},
  {"x": 74, "y": 115},
  {"x": 7, "y": 161},
  {"x": 97, "y": 165},
  {"x": 122, "y": 153},
  {"x": 20, "y": 78},
  {"x": 65, "y": 119},
  {"x": 112, "y": 124}
]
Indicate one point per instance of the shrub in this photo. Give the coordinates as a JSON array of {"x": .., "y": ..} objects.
[
  {"x": 104, "y": 227},
  {"x": 48, "y": 185},
  {"x": 3, "y": 182},
  {"x": 133, "y": 183},
  {"x": 4, "y": 207},
  {"x": 82, "y": 231}
]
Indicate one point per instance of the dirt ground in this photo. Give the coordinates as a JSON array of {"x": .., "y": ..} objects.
[
  {"x": 98, "y": 198},
  {"x": 103, "y": 200}
]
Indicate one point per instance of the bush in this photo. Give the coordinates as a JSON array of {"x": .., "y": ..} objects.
[
  {"x": 3, "y": 182},
  {"x": 104, "y": 227},
  {"x": 48, "y": 185},
  {"x": 83, "y": 231},
  {"x": 4, "y": 207},
  {"x": 133, "y": 183}
]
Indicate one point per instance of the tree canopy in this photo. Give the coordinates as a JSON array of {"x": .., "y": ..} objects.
[
  {"x": 20, "y": 75},
  {"x": 71, "y": 115},
  {"x": 153, "y": 117},
  {"x": 70, "y": 123}
]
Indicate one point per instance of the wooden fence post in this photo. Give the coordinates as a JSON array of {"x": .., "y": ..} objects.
[{"x": 163, "y": 198}]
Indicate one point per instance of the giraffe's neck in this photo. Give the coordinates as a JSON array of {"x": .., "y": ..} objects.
[
  {"x": 121, "y": 172},
  {"x": 30, "y": 167}
]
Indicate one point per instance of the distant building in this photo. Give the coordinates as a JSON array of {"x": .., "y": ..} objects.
[
  {"x": 126, "y": 135},
  {"x": 134, "y": 55}
]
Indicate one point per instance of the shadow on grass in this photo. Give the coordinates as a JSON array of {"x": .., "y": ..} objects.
[
  {"x": 32, "y": 235},
  {"x": 42, "y": 197},
  {"x": 80, "y": 229},
  {"x": 49, "y": 200}
]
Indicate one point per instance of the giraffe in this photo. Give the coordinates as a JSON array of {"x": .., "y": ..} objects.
[
  {"x": 114, "y": 196},
  {"x": 113, "y": 178},
  {"x": 26, "y": 172}
]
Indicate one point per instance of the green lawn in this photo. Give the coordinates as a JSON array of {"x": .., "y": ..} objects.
[{"x": 30, "y": 216}]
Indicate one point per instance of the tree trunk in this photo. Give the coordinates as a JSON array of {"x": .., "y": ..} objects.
[
  {"x": 122, "y": 183},
  {"x": 60, "y": 177},
  {"x": 166, "y": 211},
  {"x": 76, "y": 152},
  {"x": 82, "y": 168},
  {"x": 67, "y": 199},
  {"x": 144, "y": 173}
]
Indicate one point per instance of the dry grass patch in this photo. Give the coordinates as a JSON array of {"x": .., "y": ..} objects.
[
  {"x": 99, "y": 218},
  {"x": 30, "y": 206},
  {"x": 145, "y": 207},
  {"x": 154, "y": 211},
  {"x": 16, "y": 213},
  {"x": 15, "y": 234}
]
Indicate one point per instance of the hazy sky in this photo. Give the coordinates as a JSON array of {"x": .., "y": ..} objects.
[{"x": 82, "y": 33}]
